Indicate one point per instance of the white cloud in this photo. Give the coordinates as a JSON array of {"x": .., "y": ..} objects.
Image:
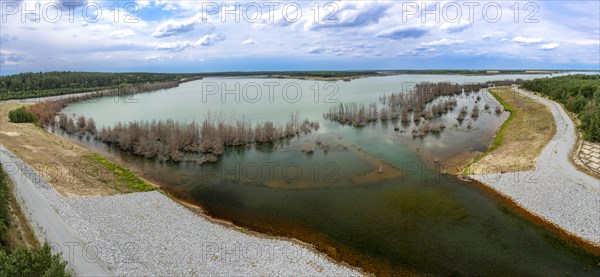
[
  {"x": 248, "y": 42},
  {"x": 456, "y": 27},
  {"x": 419, "y": 51},
  {"x": 208, "y": 40},
  {"x": 152, "y": 58},
  {"x": 142, "y": 3},
  {"x": 348, "y": 14},
  {"x": 585, "y": 42},
  {"x": 549, "y": 46},
  {"x": 526, "y": 40},
  {"x": 493, "y": 35},
  {"x": 172, "y": 27},
  {"x": 120, "y": 34},
  {"x": 316, "y": 50},
  {"x": 403, "y": 32},
  {"x": 10, "y": 58},
  {"x": 160, "y": 34},
  {"x": 442, "y": 42},
  {"x": 176, "y": 46}
]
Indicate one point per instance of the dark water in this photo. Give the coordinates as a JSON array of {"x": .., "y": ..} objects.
[{"x": 419, "y": 222}]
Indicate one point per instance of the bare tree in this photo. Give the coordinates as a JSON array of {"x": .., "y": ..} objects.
[
  {"x": 475, "y": 112},
  {"x": 81, "y": 124},
  {"x": 90, "y": 126}
]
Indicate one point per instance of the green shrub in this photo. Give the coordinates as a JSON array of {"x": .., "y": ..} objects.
[
  {"x": 26, "y": 262},
  {"x": 20, "y": 115},
  {"x": 4, "y": 202},
  {"x": 577, "y": 104},
  {"x": 23, "y": 261}
]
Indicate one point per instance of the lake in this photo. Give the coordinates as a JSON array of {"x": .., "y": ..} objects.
[{"x": 375, "y": 198}]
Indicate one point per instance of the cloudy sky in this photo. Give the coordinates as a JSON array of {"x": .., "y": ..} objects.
[{"x": 197, "y": 36}]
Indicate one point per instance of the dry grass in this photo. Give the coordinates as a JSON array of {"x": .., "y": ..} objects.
[
  {"x": 521, "y": 138},
  {"x": 71, "y": 169}
]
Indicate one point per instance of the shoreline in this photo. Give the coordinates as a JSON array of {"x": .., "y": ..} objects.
[
  {"x": 200, "y": 211},
  {"x": 66, "y": 205},
  {"x": 533, "y": 217},
  {"x": 537, "y": 219},
  {"x": 521, "y": 194},
  {"x": 505, "y": 199}
]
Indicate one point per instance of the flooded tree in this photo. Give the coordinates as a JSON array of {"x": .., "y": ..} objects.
[
  {"x": 405, "y": 118},
  {"x": 353, "y": 114},
  {"x": 70, "y": 126},
  {"x": 90, "y": 126},
  {"x": 62, "y": 120},
  {"x": 81, "y": 124},
  {"x": 171, "y": 141},
  {"x": 462, "y": 114},
  {"x": 475, "y": 112},
  {"x": 498, "y": 110}
]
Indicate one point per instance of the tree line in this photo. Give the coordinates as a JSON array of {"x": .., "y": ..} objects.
[
  {"x": 46, "y": 111},
  {"x": 28, "y": 85},
  {"x": 579, "y": 93},
  {"x": 167, "y": 140}
]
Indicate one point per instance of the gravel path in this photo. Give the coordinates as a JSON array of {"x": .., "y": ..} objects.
[
  {"x": 556, "y": 190},
  {"x": 149, "y": 234},
  {"x": 38, "y": 202}
]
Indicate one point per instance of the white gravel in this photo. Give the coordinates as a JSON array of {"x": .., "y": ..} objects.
[
  {"x": 556, "y": 191},
  {"x": 149, "y": 234}
]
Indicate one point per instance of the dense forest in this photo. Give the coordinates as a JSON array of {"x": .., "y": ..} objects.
[
  {"x": 579, "y": 93},
  {"x": 28, "y": 85}
]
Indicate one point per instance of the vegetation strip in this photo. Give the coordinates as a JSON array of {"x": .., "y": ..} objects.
[
  {"x": 31, "y": 85},
  {"x": 16, "y": 259},
  {"x": 579, "y": 94},
  {"x": 499, "y": 135},
  {"x": 126, "y": 180}
]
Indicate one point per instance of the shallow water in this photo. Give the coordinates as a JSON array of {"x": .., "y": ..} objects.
[{"x": 419, "y": 221}]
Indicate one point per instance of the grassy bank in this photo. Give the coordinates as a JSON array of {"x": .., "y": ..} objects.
[
  {"x": 125, "y": 180},
  {"x": 520, "y": 139},
  {"x": 71, "y": 169}
]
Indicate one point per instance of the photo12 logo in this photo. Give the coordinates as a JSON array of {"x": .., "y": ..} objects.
[
  {"x": 469, "y": 11},
  {"x": 288, "y": 12},
  {"x": 268, "y": 92},
  {"x": 127, "y": 12},
  {"x": 68, "y": 11}
]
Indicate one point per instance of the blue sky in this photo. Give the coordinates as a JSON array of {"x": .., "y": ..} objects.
[{"x": 204, "y": 36}]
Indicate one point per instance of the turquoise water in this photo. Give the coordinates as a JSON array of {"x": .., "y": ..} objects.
[{"x": 419, "y": 220}]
